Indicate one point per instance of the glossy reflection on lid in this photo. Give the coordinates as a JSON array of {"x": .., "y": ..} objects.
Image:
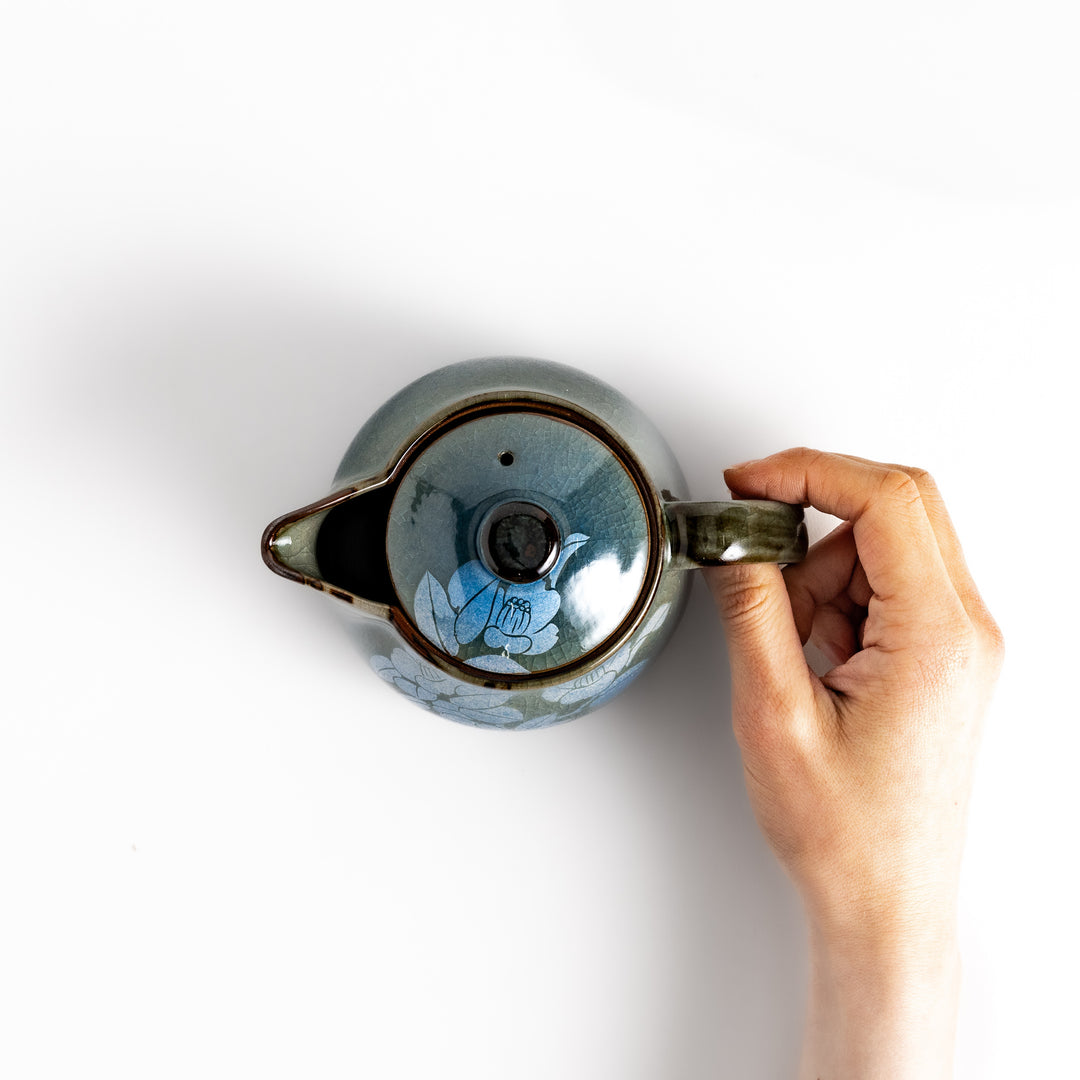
[{"x": 517, "y": 542}]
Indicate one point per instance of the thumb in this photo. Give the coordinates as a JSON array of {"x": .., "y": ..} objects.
[{"x": 768, "y": 669}]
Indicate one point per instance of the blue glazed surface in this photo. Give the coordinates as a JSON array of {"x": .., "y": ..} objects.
[
  {"x": 520, "y": 709},
  {"x": 480, "y": 609},
  {"x": 464, "y": 608},
  {"x": 455, "y": 601},
  {"x": 512, "y": 535},
  {"x": 390, "y": 429},
  {"x": 612, "y": 592}
]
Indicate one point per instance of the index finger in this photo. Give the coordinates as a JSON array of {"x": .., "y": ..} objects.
[
  {"x": 893, "y": 534},
  {"x": 948, "y": 542}
]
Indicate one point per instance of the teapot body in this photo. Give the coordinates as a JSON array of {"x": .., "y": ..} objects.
[
  {"x": 517, "y": 707},
  {"x": 509, "y": 534}
]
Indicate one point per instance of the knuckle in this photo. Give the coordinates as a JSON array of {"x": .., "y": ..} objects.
[
  {"x": 946, "y": 647},
  {"x": 811, "y": 458},
  {"x": 945, "y": 665},
  {"x": 899, "y": 486},
  {"x": 776, "y": 730},
  {"x": 804, "y": 458},
  {"x": 922, "y": 478},
  {"x": 743, "y": 602},
  {"x": 965, "y": 648},
  {"x": 993, "y": 641}
]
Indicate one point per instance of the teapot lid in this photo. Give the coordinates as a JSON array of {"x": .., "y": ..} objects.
[{"x": 519, "y": 538}]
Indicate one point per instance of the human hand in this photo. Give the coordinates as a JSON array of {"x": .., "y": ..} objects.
[{"x": 860, "y": 779}]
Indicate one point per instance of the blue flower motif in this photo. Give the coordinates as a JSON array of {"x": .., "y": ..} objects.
[
  {"x": 518, "y": 628},
  {"x": 601, "y": 684},
  {"x": 434, "y": 690},
  {"x": 514, "y": 619},
  {"x": 597, "y": 686},
  {"x": 413, "y": 677},
  {"x": 483, "y": 706}
]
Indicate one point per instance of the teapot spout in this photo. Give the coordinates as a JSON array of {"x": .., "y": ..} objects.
[{"x": 337, "y": 545}]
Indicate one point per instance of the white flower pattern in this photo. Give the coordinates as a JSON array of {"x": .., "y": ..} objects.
[
  {"x": 487, "y": 707},
  {"x": 512, "y": 619},
  {"x": 444, "y": 694}
]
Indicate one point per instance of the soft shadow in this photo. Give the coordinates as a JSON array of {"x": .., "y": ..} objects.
[
  {"x": 739, "y": 988},
  {"x": 219, "y": 398},
  {"x": 225, "y": 395}
]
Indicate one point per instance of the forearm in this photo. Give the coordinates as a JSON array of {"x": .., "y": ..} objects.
[{"x": 882, "y": 1011}]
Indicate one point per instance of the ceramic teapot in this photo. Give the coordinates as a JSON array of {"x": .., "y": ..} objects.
[{"x": 513, "y": 535}]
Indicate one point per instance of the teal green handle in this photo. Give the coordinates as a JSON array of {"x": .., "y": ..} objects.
[{"x": 746, "y": 531}]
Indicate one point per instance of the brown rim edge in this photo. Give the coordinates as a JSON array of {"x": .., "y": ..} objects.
[
  {"x": 473, "y": 408},
  {"x": 266, "y": 548}
]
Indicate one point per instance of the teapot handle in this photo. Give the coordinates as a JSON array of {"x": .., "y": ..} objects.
[{"x": 749, "y": 530}]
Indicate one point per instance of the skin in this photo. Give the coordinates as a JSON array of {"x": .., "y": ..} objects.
[{"x": 861, "y": 778}]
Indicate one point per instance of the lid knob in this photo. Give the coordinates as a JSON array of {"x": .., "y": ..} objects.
[{"x": 519, "y": 541}]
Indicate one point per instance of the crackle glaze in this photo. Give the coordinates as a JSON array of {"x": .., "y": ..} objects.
[{"x": 511, "y": 534}]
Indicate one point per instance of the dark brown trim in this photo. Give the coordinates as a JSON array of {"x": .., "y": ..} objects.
[
  {"x": 293, "y": 516},
  {"x": 472, "y": 409}
]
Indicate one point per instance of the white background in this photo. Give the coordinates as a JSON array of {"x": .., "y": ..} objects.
[{"x": 228, "y": 231}]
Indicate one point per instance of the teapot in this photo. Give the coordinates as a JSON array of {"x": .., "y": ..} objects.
[{"x": 512, "y": 535}]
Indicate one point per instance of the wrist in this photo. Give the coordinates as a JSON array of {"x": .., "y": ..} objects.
[
  {"x": 883, "y": 1004},
  {"x": 897, "y": 909},
  {"x": 896, "y": 937}
]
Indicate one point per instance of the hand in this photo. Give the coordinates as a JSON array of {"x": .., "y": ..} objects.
[{"x": 860, "y": 779}]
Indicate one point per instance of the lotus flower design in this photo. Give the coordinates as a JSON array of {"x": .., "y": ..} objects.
[
  {"x": 448, "y": 697},
  {"x": 486, "y": 707},
  {"x": 602, "y": 683},
  {"x": 513, "y": 619}
]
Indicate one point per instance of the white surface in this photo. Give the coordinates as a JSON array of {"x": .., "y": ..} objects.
[{"x": 230, "y": 230}]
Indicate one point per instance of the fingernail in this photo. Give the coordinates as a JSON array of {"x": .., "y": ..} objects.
[{"x": 742, "y": 465}]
